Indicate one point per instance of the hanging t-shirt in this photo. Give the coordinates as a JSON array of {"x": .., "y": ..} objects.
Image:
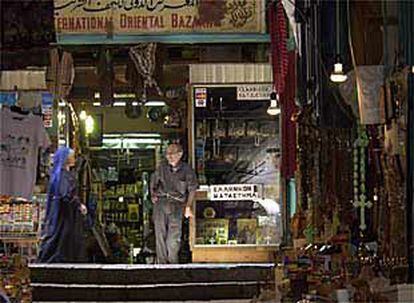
[{"x": 20, "y": 139}]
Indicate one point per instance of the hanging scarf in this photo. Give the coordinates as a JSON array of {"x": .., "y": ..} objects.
[
  {"x": 278, "y": 34},
  {"x": 52, "y": 213},
  {"x": 288, "y": 130}
]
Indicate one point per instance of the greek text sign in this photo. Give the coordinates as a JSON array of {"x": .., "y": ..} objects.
[
  {"x": 158, "y": 16},
  {"x": 234, "y": 192},
  {"x": 254, "y": 92}
]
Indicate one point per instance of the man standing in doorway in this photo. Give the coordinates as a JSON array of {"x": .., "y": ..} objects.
[{"x": 173, "y": 187}]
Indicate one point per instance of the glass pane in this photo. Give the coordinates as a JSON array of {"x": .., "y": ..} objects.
[
  {"x": 236, "y": 141},
  {"x": 238, "y": 222}
]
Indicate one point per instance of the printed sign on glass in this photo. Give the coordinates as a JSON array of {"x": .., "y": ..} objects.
[
  {"x": 254, "y": 92},
  {"x": 235, "y": 192}
]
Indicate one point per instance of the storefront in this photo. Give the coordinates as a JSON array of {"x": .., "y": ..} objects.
[
  {"x": 294, "y": 170},
  {"x": 235, "y": 151},
  {"x": 137, "y": 96}
]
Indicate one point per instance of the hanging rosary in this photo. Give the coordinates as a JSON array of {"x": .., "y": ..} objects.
[{"x": 359, "y": 159}]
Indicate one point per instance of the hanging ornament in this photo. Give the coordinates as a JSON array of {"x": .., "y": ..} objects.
[
  {"x": 143, "y": 56},
  {"x": 106, "y": 75},
  {"x": 359, "y": 164},
  {"x": 154, "y": 114}
]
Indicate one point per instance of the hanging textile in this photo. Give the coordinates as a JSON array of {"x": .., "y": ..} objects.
[
  {"x": 290, "y": 8},
  {"x": 66, "y": 75},
  {"x": 143, "y": 56},
  {"x": 279, "y": 54},
  {"x": 21, "y": 136},
  {"x": 60, "y": 74},
  {"x": 288, "y": 106},
  {"x": 369, "y": 80},
  {"x": 106, "y": 76}
]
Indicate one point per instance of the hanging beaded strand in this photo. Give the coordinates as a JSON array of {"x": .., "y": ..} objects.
[{"x": 359, "y": 161}]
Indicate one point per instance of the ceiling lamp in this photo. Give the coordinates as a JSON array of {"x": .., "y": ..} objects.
[
  {"x": 274, "y": 109},
  {"x": 338, "y": 75}
]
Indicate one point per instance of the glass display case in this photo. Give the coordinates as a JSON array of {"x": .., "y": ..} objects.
[
  {"x": 237, "y": 223},
  {"x": 236, "y": 148}
]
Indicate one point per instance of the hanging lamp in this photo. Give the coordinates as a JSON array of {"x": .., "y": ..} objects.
[
  {"x": 274, "y": 108},
  {"x": 338, "y": 75}
]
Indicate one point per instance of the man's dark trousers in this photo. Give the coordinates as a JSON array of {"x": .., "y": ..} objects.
[{"x": 167, "y": 217}]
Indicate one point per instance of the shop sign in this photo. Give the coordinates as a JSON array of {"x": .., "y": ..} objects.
[
  {"x": 158, "y": 16},
  {"x": 200, "y": 97},
  {"x": 235, "y": 192},
  {"x": 254, "y": 92}
]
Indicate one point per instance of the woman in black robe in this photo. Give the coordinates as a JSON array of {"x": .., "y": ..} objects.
[{"x": 62, "y": 234}]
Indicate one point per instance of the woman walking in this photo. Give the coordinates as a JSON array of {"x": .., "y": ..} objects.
[{"x": 62, "y": 234}]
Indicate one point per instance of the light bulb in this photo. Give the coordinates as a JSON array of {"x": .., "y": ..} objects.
[
  {"x": 273, "y": 109},
  {"x": 338, "y": 75},
  {"x": 89, "y": 124},
  {"x": 83, "y": 115}
]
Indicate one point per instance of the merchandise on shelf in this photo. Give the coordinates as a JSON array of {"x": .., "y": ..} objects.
[
  {"x": 122, "y": 207},
  {"x": 19, "y": 217},
  {"x": 235, "y": 222},
  {"x": 15, "y": 278}
]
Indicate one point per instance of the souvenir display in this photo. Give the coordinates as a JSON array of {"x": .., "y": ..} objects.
[
  {"x": 237, "y": 128},
  {"x": 252, "y": 128},
  {"x": 20, "y": 236},
  {"x": 347, "y": 239},
  {"x": 246, "y": 231},
  {"x": 15, "y": 278},
  {"x": 19, "y": 218},
  {"x": 122, "y": 207},
  {"x": 212, "y": 231},
  {"x": 219, "y": 128},
  {"x": 267, "y": 129},
  {"x": 172, "y": 118},
  {"x": 267, "y": 230},
  {"x": 246, "y": 223}
]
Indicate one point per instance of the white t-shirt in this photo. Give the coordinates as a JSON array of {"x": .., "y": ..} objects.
[{"x": 20, "y": 139}]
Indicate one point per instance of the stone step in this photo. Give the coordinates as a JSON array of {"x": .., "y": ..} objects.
[
  {"x": 148, "y": 274},
  {"x": 156, "y": 283},
  {"x": 164, "y": 292}
]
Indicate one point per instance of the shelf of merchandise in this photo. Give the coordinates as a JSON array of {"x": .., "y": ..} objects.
[{"x": 20, "y": 226}]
